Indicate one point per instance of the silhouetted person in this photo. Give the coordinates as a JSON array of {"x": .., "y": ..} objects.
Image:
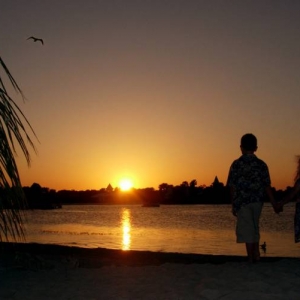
[
  {"x": 249, "y": 182},
  {"x": 295, "y": 194},
  {"x": 36, "y": 39}
]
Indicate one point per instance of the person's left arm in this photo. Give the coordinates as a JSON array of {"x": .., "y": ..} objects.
[
  {"x": 276, "y": 206},
  {"x": 268, "y": 190}
]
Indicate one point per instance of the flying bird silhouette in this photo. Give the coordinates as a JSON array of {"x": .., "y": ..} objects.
[{"x": 36, "y": 39}]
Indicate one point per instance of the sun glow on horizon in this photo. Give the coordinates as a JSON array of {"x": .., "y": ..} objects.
[{"x": 126, "y": 184}]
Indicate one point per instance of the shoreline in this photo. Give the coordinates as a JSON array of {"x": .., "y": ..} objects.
[
  {"x": 45, "y": 271},
  {"x": 99, "y": 257}
]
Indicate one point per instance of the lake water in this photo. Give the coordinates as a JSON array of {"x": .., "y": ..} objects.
[{"x": 201, "y": 229}]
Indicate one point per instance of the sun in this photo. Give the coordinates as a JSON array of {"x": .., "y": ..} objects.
[{"x": 126, "y": 184}]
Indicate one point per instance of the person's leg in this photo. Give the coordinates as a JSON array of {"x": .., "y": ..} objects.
[
  {"x": 253, "y": 252},
  {"x": 256, "y": 252},
  {"x": 257, "y": 209},
  {"x": 247, "y": 229},
  {"x": 244, "y": 229},
  {"x": 250, "y": 252}
]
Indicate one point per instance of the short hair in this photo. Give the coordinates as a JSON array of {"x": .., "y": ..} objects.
[{"x": 249, "y": 142}]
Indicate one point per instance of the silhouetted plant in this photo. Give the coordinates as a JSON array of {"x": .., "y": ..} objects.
[{"x": 12, "y": 133}]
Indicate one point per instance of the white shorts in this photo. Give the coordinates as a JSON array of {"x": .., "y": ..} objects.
[{"x": 247, "y": 225}]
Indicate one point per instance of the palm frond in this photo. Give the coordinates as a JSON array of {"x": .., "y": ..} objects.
[
  {"x": 11, "y": 79},
  {"x": 12, "y": 132}
]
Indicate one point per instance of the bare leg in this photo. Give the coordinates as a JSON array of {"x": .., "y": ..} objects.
[
  {"x": 253, "y": 252},
  {"x": 250, "y": 251},
  {"x": 256, "y": 253}
]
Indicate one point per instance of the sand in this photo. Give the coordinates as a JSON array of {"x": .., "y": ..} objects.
[{"x": 34, "y": 271}]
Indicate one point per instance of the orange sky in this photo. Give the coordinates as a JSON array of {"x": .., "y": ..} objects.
[{"x": 158, "y": 91}]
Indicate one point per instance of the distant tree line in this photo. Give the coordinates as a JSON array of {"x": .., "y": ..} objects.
[{"x": 186, "y": 193}]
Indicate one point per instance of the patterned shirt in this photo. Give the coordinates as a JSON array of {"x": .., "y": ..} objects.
[{"x": 249, "y": 176}]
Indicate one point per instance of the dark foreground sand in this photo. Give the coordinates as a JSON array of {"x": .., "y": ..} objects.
[{"x": 36, "y": 271}]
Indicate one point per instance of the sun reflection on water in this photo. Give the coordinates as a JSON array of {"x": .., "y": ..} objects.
[{"x": 126, "y": 228}]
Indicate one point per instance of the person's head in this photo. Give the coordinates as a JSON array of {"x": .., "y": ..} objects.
[{"x": 248, "y": 143}]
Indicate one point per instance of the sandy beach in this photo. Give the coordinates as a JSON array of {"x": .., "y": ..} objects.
[{"x": 35, "y": 271}]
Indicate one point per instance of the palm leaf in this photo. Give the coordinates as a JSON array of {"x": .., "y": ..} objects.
[{"x": 12, "y": 133}]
